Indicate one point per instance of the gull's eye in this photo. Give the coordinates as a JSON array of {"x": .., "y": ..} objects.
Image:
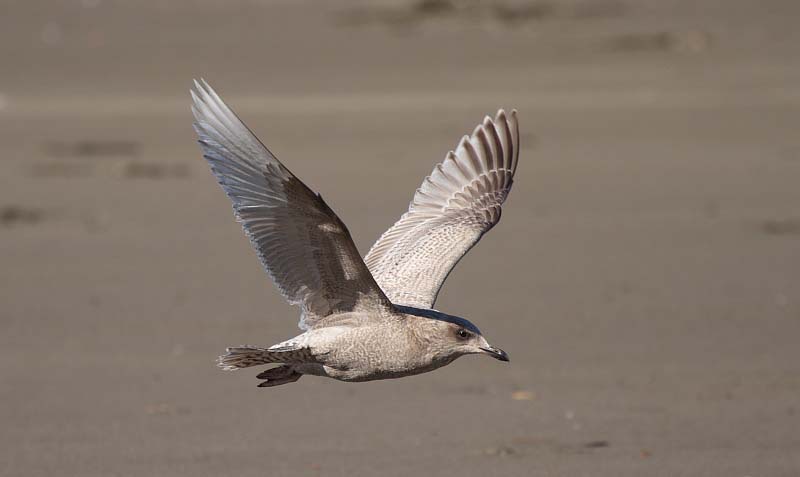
[{"x": 462, "y": 333}]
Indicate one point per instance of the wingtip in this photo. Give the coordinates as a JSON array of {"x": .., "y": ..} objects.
[
  {"x": 512, "y": 117},
  {"x": 514, "y": 124},
  {"x": 501, "y": 116},
  {"x": 196, "y": 105},
  {"x": 502, "y": 113},
  {"x": 202, "y": 87},
  {"x": 509, "y": 118},
  {"x": 198, "y": 94}
]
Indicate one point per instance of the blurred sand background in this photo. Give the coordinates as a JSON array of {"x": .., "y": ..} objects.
[{"x": 645, "y": 278}]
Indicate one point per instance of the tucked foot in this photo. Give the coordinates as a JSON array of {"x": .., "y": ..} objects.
[
  {"x": 280, "y": 372},
  {"x": 278, "y": 376}
]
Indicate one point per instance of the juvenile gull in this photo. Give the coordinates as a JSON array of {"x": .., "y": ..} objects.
[{"x": 361, "y": 319}]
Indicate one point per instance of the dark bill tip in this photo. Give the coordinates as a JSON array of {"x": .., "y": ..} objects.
[{"x": 496, "y": 353}]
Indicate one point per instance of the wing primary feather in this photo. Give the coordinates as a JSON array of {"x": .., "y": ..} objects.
[
  {"x": 304, "y": 247},
  {"x": 453, "y": 208},
  {"x": 515, "y": 136}
]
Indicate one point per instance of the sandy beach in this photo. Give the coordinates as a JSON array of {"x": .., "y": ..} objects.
[{"x": 645, "y": 278}]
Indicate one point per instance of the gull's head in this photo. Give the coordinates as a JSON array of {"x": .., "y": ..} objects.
[
  {"x": 453, "y": 336},
  {"x": 465, "y": 338}
]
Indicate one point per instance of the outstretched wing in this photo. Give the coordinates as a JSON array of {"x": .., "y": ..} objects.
[
  {"x": 458, "y": 203},
  {"x": 303, "y": 245}
]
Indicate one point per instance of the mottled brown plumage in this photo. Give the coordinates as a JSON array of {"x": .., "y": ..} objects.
[{"x": 361, "y": 320}]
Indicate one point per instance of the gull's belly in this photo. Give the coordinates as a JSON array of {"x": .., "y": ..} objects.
[{"x": 378, "y": 352}]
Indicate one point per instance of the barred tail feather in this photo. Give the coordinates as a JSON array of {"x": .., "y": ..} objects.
[{"x": 246, "y": 356}]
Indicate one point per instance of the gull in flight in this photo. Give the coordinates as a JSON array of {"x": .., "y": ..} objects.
[{"x": 371, "y": 318}]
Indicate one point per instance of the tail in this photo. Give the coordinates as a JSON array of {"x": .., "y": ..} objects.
[{"x": 246, "y": 356}]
